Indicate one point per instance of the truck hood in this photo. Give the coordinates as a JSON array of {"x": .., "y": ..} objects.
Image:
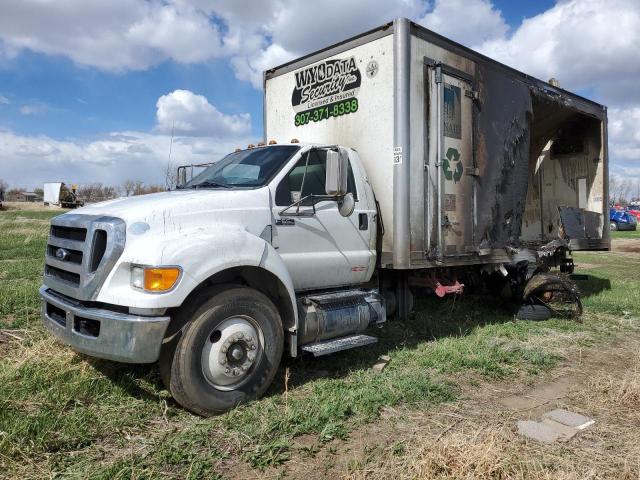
[{"x": 185, "y": 210}]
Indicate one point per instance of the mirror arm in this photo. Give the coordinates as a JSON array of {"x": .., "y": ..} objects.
[{"x": 315, "y": 199}]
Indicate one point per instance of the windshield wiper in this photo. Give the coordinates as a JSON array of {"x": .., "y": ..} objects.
[{"x": 210, "y": 183}]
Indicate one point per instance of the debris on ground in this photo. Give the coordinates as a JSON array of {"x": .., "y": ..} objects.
[
  {"x": 381, "y": 363},
  {"x": 555, "y": 425}
]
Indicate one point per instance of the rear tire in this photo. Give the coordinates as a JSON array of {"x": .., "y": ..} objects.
[
  {"x": 533, "y": 312},
  {"x": 613, "y": 226},
  {"x": 228, "y": 352}
]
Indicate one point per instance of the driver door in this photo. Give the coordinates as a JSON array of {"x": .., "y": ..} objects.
[{"x": 321, "y": 249}]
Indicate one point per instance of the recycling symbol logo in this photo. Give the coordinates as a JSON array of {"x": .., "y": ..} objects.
[{"x": 452, "y": 166}]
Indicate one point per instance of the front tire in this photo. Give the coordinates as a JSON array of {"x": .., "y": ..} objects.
[{"x": 228, "y": 353}]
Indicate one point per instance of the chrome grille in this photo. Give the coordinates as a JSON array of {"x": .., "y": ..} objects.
[{"x": 81, "y": 251}]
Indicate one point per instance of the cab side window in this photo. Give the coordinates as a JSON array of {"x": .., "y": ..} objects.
[{"x": 314, "y": 173}]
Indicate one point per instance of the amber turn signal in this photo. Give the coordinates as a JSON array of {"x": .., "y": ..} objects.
[{"x": 160, "y": 279}]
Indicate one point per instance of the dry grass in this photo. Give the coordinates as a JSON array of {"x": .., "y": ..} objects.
[
  {"x": 30, "y": 206},
  {"x": 66, "y": 416},
  {"x": 480, "y": 440}
]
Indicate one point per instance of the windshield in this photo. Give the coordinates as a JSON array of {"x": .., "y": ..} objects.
[{"x": 248, "y": 168}]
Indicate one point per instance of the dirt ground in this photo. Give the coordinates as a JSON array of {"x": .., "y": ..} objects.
[
  {"x": 476, "y": 437},
  {"x": 626, "y": 245}
]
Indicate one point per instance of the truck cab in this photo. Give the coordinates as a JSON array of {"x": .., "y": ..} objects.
[{"x": 128, "y": 279}]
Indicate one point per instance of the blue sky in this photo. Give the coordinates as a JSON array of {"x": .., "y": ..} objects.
[
  {"x": 83, "y": 102},
  {"x": 90, "y": 87}
]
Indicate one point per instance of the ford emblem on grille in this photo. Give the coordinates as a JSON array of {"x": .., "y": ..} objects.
[{"x": 62, "y": 254}]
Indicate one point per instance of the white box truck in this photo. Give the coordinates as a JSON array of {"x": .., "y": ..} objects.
[
  {"x": 58, "y": 194},
  {"x": 395, "y": 163}
]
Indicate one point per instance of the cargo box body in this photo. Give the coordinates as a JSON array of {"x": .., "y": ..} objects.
[{"x": 471, "y": 161}]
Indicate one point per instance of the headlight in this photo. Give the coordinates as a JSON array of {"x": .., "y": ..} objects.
[{"x": 154, "y": 279}]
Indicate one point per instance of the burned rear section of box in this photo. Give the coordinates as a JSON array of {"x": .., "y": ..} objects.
[{"x": 470, "y": 160}]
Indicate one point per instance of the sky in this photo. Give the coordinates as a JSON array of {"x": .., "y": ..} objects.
[{"x": 92, "y": 91}]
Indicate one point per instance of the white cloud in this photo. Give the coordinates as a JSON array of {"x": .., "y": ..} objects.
[
  {"x": 36, "y": 108},
  {"x": 586, "y": 44},
  {"x": 201, "y": 134},
  {"x": 109, "y": 34},
  {"x": 4, "y": 100},
  {"x": 624, "y": 133},
  {"x": 589, "y": 46},
  {"x": 251, "y": 67},
  {"x": 186, "y": 113},
  {"x": 470, "y": 22},
  {"x": 297, "y": 27},
  {"x": 30, "y": 161}
]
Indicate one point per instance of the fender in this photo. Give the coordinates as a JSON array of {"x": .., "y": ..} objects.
[{"x": 201, "y": 255}]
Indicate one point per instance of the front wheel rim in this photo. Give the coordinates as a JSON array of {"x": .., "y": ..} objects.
[{"x": 231, "y": 352}]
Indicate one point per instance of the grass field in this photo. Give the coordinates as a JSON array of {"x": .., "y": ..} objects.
[{"x": 64, "y": 415}]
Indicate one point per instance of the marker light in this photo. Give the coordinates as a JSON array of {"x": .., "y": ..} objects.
[
  {"x": 272, "y": 142},
  {"x": 154, "y": 279}
]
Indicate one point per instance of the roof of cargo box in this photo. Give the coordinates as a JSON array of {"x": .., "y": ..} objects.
[{"x": 539, "y": 87}]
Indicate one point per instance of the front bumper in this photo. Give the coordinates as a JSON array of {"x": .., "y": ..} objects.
[{"x": 103, "y": 333}]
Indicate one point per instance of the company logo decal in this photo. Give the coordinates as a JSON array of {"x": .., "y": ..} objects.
[
  {"x": 326, "y": 89},
  {"x": 452, "y": 166}
]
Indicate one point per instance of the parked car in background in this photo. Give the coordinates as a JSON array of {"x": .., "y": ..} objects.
[
  {"x": 634, "y": 209},
  {"x": 622, "y": 220}
]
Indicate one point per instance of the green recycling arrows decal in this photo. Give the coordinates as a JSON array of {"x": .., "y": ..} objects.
[{"x": 452, "y": 157}]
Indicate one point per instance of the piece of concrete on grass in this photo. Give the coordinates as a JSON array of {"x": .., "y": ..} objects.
[
  {"x": 556, "y": 425},
  {"x": 538, "y": 431},
  {"x": 564, "y": 432},
  {"x": 570, "y": 419}
]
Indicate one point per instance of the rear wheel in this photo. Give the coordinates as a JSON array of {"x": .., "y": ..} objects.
[
  {"x": 557, "y": 293},
  {"x": 613, "y": 226},
  {"x": 228, "y": 353}
]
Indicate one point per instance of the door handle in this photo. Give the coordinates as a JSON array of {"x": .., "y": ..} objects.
[{"x": 363, "y": 220}]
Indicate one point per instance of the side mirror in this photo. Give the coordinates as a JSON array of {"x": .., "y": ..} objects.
[
  {"x": 337, "y": 167},
  {"x": 346, "y": 205}
]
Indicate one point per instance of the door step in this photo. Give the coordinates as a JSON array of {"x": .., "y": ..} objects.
[{"x": 337, "y": 344}]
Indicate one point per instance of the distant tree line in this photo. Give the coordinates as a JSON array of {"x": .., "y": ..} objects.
[
  {"x": 90, "y": 192},
  {"x": 623, "y": 191}
]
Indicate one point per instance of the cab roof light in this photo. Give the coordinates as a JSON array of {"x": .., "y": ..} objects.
[
  {"x": 251, "y": 145},
  {"x": 272, "y": 142},
  {"x": 295, "y": 140},
  {"x": 261, "y": 144}
]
